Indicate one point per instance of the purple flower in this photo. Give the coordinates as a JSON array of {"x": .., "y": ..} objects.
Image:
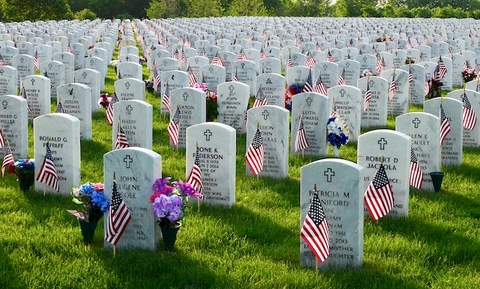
[
  {"x": 169, "y": 207},
  {"x": 160, "y": 186}
]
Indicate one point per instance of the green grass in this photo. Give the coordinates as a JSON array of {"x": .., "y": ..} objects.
[{"x": 254, "y": 244}]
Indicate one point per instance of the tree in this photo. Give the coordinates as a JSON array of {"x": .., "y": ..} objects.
[
  {"x": 164, "y": 9},
  {"x": 247, "y": 8},
  {"x": 205, "y": 8},
  {"x": 21, "y": 10},
  {"x": 85, "y": 14}
]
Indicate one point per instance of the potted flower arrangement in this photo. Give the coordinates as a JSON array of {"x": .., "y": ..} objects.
[
  {"x": 337, "y": 133},
  {"x": 95, "y": 204},
  {"x": 169, "y": 203},
  {"x": 25, "y": 171},
  {"x": 289, "y": 93},
  {"x": 435, "y": 89},
  {"x": 212, "y": 103}
]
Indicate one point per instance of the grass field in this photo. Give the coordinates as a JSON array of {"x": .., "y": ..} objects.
[{"x": 254, "y": 244}]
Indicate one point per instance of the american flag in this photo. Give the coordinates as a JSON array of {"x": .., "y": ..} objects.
[
  {"x": 48, "y": 172},
  {"x": 59, "y": 108},
  {"x": 195, "y": 176},
  {"x": 444, "y": 125},
  {"x": 255, "y": 152},
  {"x": 330, "y": 56},
  {"x": 175, "y": 54},
  {"x": 69, "y": 48},
  {"x": 118, "y": 218},
  {"x": 367, "y": 97},
  {"x": 156, "y": 80},
  {"x": 109, "y": 112},
  {"x": 235, "y": 76},
  {"x": 191, "y": 77},
  {"x": 262, "y": 54},
  {"x": 315, "y": 230},
  {"x": 440, "y": 70},
  {"x": 380, "y": 65},
  {"x": 379, "y": 195},
  {"x": 320, "y": 86},
  {"x": 2, "y": 61},
  {"x": 24, "y": 95},
  {"x": 308, "y": 87},
  {"x": 469, "y": 119},
  {"x": 416, "y": 175},
  {"x": 7, "y": 161},
  {"x": 465, "y": 65},
  {"x": 152, "y": 68},
  {"x": 2, "y": 139},
  {"x": 36, "y": 62},
  {"x": 301, "y": 141},
  {"x": 174, "y": 127},
  {"x": 122, "y": 141},
  {"x": 393, "y": 88},
  {"x": 166, "y": 98},
  {"x": 119, "y": 75},
  {"x": 260, "y": 98},
  {"x": 427, "y": 87},
  {"x": 183, "y": 60},
  {"x": 341, "y": 79},
  {"x": 311, "y": 61},
  {"x": 241, "y": 55},
  {"x": 217, "y": 60}
]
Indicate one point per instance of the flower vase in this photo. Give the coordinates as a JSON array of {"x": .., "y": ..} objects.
[
  {"x": 336, "y": 151},
  {"x": 25, "y": 185},
  {"x": 88, "y": 230},
  {"x": 169, "y": 235}
]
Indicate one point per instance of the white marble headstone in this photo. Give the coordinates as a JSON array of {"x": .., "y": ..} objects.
[{"x": 14, "y": 126}]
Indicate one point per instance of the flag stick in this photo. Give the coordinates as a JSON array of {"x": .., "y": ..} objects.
[
  {"x": 198, "y": 199},
  {"x": 409, "y": 84},
  {"x": 393, "y": 79},
  {"x": 316, "y": 260},
  {"x": 258, "y": 175},
  {"x": 114, "y": 246},
  {"x": 440, "y": 149},
  {"x": 368, "y": 108}
]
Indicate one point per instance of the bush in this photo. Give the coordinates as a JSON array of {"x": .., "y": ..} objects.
[{"x": 85, "y": 14}]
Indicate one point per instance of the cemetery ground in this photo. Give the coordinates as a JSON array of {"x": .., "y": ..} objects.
[{"x": 253, "y": 244}]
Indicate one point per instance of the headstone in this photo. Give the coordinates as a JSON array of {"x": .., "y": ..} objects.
[
  {"x": 395, "y": 148},
  {"x": 216, "y": 151},
  {"x": 76, "y": 99},
  {"x": 195, "y": 63},
  {"x": 55, "y": 71},
  {"x": 91, "y": 78},
  {"x": 232, "y": 98},
  {"x": 192, "y": 105},
  {"x": 352, "y": 71},
  {"x": 417, "y": 86},
  {"x": 129, "y": 70},
  {"x": 213, "y": 75},
  {"x": 246, "y": 72},
  {"x": 348, "y": 104},
  {"x": 452, "y": 147},
  {"x": 63, "y": 133},
  {"x": 330, "y": 73},
  {"x": 37, "y": 90},
  {"x": 270, "y": 65},
  {"x": 458, "y": 61},
  {"x": 316, "y": 110},
  {"x": 399, "y": 104},
  {"x": 69, "y": 60},
  {"x": 8, "y": 53},
  {"x": 470, "y": 138},
  {"x": 99, "y": 65},
  {"x": 135, "y": 169},
  {"x": 273, "y": 87},
  {"x": 8, "y": 80},
  {"x": 340, "y": 190},
  {"x": 78, "y": 50},
  {"x": 24, "y": 65},
  {"x": 272, "y": 122},
  {"x": 136, "y": 120},
  {"x": 367, "y": 62},
  {"x": 14, "y": 126},
  {"x": 130, "y": 88},
  {"x": 376, "y": 114},
  {"x": 424, "y": 129}
]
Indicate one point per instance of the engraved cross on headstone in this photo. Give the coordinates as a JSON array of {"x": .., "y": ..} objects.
[
  {"x": 127, "y": 160},
  {"x": 342, "y": 92},
  {"x": 231, "y": 88},
  {"x": 185, "y": 96},
  {"x": 265, "y": 114},
  {"x": 329, "y": 173},
  {"x": 127, "y": 85},
  {"x": 309, "y": 101},
  {"x": 129, "y": 109},
  {"x": 207, "y": 134},
  {"x": 416, "y": 122},
  {"x": 382, "y": 142}
]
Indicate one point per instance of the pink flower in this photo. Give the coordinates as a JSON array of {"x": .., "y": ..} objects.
[{"x": 98, "y": 187}]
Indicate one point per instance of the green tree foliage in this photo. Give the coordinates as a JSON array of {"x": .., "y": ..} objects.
[
  {"x": 165, "y": 9},
  {"x": 85, "y": 14},
  {"x": 247, "y": 8},
  {"x": 21, "y": 10},
  {"x": 205, "y": 8}
]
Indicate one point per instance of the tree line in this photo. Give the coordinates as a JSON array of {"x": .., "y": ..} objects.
[{"x": 33, "y": 10}]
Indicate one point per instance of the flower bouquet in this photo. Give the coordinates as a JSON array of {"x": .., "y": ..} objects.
[
  {"x": 91, "y": 196},
  {"x": 169, "y": 204},
  {"x": 289, "y": 93},
  {"x": 337, "y": 133},
  {"x": 435, "y": 89},
  {"x": 25, "y": 171},
  {"x": 468, "y": 74},
  {"x": 212, "y": 103}
]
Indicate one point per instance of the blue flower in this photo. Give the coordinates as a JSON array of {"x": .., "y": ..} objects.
[{"x": 99, "y": 200}]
